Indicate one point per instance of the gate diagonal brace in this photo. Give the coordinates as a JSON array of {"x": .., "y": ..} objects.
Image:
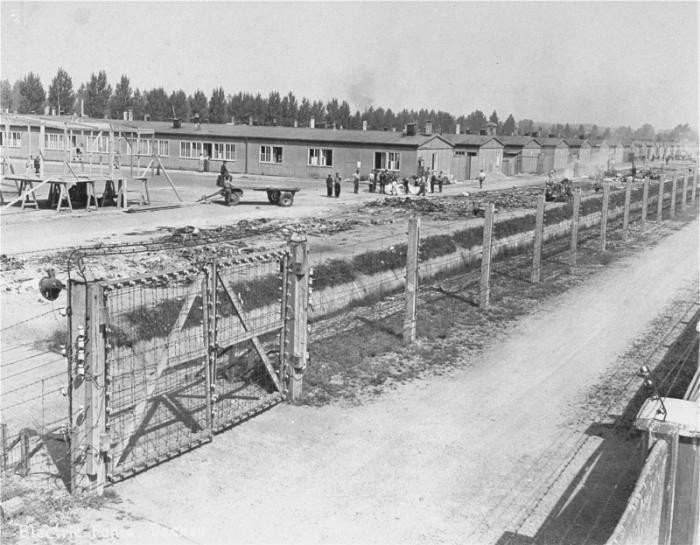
[{"x": 238, "y": 307}]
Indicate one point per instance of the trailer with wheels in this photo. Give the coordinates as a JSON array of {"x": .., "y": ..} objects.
[{"x": 281, "y": 196}]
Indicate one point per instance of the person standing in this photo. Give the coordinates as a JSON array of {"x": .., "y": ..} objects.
[
  {"x": 441, "y": 180},
  {"x": 337, "y": 185},
  {"x": 382, "y": 181},
  {"x": 482, "y": 178},
  {"x": 356, "y": 181},
  {"x": 421, "y": 190},
  {"x": 329, "y": 186},
  {"x": 201, "y": 162},
  {"x": 405, "y": 185},
  {"x": 37, "y": 165},
  {"x": 433, "y": 179}
]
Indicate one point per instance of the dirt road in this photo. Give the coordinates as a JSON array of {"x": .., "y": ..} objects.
[{"x": 463, "y": 458}]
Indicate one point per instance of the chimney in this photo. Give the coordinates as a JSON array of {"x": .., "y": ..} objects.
[
  {"x": 82, "y": 107},
  {"x": 296, "y": 123},
  {"x": 581, "y": 136},
  {"x": 458, "y": 128},
  {"x": 312, "y": 123},
  {"x": 552, "y": 136},
  {"x": 233, "y": 120},
  {"x": 125, "y": 115},
  {"x": 131, "y": 114},
  {"x": 428, "y": 127},
  {"x": 334, "y": 127},
  {"x": 386, "y": 129},
  {"x": 467, "y": 131},
  {"x": 483, "y": 132},
  {"x": 411, "y": 129},
  {"x": 364, "y": 125},
  {"x": 176, "y": 123},
  {"x": 491, "y": 128}
]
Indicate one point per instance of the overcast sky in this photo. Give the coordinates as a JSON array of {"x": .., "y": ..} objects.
[{"x": 609, "y": 63}]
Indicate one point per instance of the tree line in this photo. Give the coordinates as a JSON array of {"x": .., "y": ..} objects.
[{"x": 100, "y": 100}]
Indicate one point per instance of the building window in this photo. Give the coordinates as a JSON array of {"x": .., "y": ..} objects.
[
  {"x": 226, "y": 152},
  {"x": 387, "y": 160},
  {"x": 190, "y": 150},
  {"x": 14, "y": 141},
  {"x": 459, "y": 153},
  {"x": 271, "y": 154},
  {"x": 146, "y": 147},
  {"x": 54, "y": 141},
  {"x": 320, "y": 157},
  {"x": 99, "y": 144}
]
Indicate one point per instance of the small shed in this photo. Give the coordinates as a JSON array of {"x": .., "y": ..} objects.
[
  {"x": 521, "y": 151},
  {"x": 473, "y": 153},
  {"x": 579, "y": 150},
  {"x": 555, "y": 153}
]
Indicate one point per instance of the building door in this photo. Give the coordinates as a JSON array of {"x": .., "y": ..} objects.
[
  {"x": 432, "y": 161},
  {"x": 207, "y": 150}
]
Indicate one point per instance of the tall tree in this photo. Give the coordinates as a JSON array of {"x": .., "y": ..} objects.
[
  {"x": 179, "y": 103},
  {"x": 304, "y": 113},
  {"x": 31, "y": 95},
  {"x": 273, "y": 112},
  {"x": 122, "y": 100},
  {"x": 567, "y": 131},
  {"x": 289, "y": 109},
  {"x": 318, "y": 111},
  {"x": 139, "y": 104},
  {"x": 217, "y": 106},
  {"x": 332, "y": 107},
  {"x": 476, "y": 121},
  {"x": 493, "y": 118},
  {"x": 645, "y": 132},
  {"x": 526, "y": 126},
  {"x": 581, "y": 131},
  {"x": 61, "y": 95},
  {"x": 509, "y": 126},
  {"x": 97, "y": 95},
  {"x": 6, "y": 98},
  {"x": 344, "y": 114},
  {"x": 157, "y": 105},
  {"x": 199, "y": 105}
]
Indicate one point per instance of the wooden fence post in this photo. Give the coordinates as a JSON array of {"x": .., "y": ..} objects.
[
  {"x": 24, "y": 453},
  {"x": 626, "y": 213},
  {"x": 673, "y": 196},
  {"x": 685, "y": 190},
  {"x": 695, "y": 186},
  {"x": 537, "y": 243},
  {"x": 574, "y": 226},
  {"x": 645, "y": 200},
  {"x": 409, "y": 321},
  {"x": 88, "y": 378},
  {"x": 3, "y": 438},
  {"x": 604, "y": 216},
  {"x": 660, "y": 203},
  {"x": 485, "y": 287},
  {"x": 295, "y": 353}
]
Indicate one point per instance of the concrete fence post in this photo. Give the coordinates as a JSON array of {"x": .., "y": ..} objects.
[
  {"x": 24, "y": 453},
  {"x": 409, "y": 321},
  {"x": 626, "y": 213},
  {"x": 685, "y": 190},
  {"x": 3, "y": 440},
  {"x": 673, "y": 195},
  {"x": 537, "y": 243},
  {"x": 660, "y": 202},
  {"x": 694, "y": 187},
  {"x": 645, "y": 200},
  {"x": 574, "y": 226},
  {"x": 295, "y": 351},
  {"x": 89, "y": 450},
  {"x": 485, "y": 285},
  {"x": 604, "y": 216}
]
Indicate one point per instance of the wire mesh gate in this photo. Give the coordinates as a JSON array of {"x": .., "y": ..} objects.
[{"x": 186, "y": 354}]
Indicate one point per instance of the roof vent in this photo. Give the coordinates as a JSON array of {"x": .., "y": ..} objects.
[
  {"x": 483, "y": 132},
  {"x": 411, "y": 129}
]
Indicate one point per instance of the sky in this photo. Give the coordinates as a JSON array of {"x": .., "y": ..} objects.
[{"x": 608, "y": 63}]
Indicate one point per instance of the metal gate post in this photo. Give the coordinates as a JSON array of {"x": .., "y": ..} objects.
[
  {"x": 295, "y": 350},
  {"x": 209, "y": 322},
  {"x": 485, "y": 284},
  {"x": 604, "y": 216},
  {"x": 409, "y": 321},
  {"x": 89, "y": 445},
  {"x": 537, "y": 243}
]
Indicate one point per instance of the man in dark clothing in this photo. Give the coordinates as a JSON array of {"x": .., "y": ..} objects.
[
  {"x": 329, "y": 186},
  {"x": 422, "y": 186},
  {"x": 356, "y": 181},
  {"x": 433, "y": 179},
  {"x": 337, "y": 185},
  {"x": 224, "y": 181},
  {"x": 37, "y": 165},
  {"x": 405, "y": 185},
  {"x": 441, "y": 180}
]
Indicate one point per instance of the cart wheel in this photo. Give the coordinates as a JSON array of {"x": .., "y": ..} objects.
[
  {"x": 273, "y": 197},
  {"x": 235, "y": 198},
  {"x": 286, "y": 199}
]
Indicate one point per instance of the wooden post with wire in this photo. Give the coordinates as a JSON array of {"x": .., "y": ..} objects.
[
  {"x": 694, "y": 187},
  {"x": 24, "y": 452},
  {"x": 574, "y": 226},
  {"x": 660, "y": 202},
  {"x": 485, "y": 284},
  {"x": 3, "y": 445},
  {"x": 409, "y": 321},
  {"x": 537, "y": 244},
  {"x": 673, "y": 195},
  {"x": 685, "y": 190},
  {"x": 626, "y": 212},
  {"x": 89, "y": 446},
  {"x": 604, "y": 216},
  {"x": 645, "y": 200},
  {"x": 295, "y": 334}
]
